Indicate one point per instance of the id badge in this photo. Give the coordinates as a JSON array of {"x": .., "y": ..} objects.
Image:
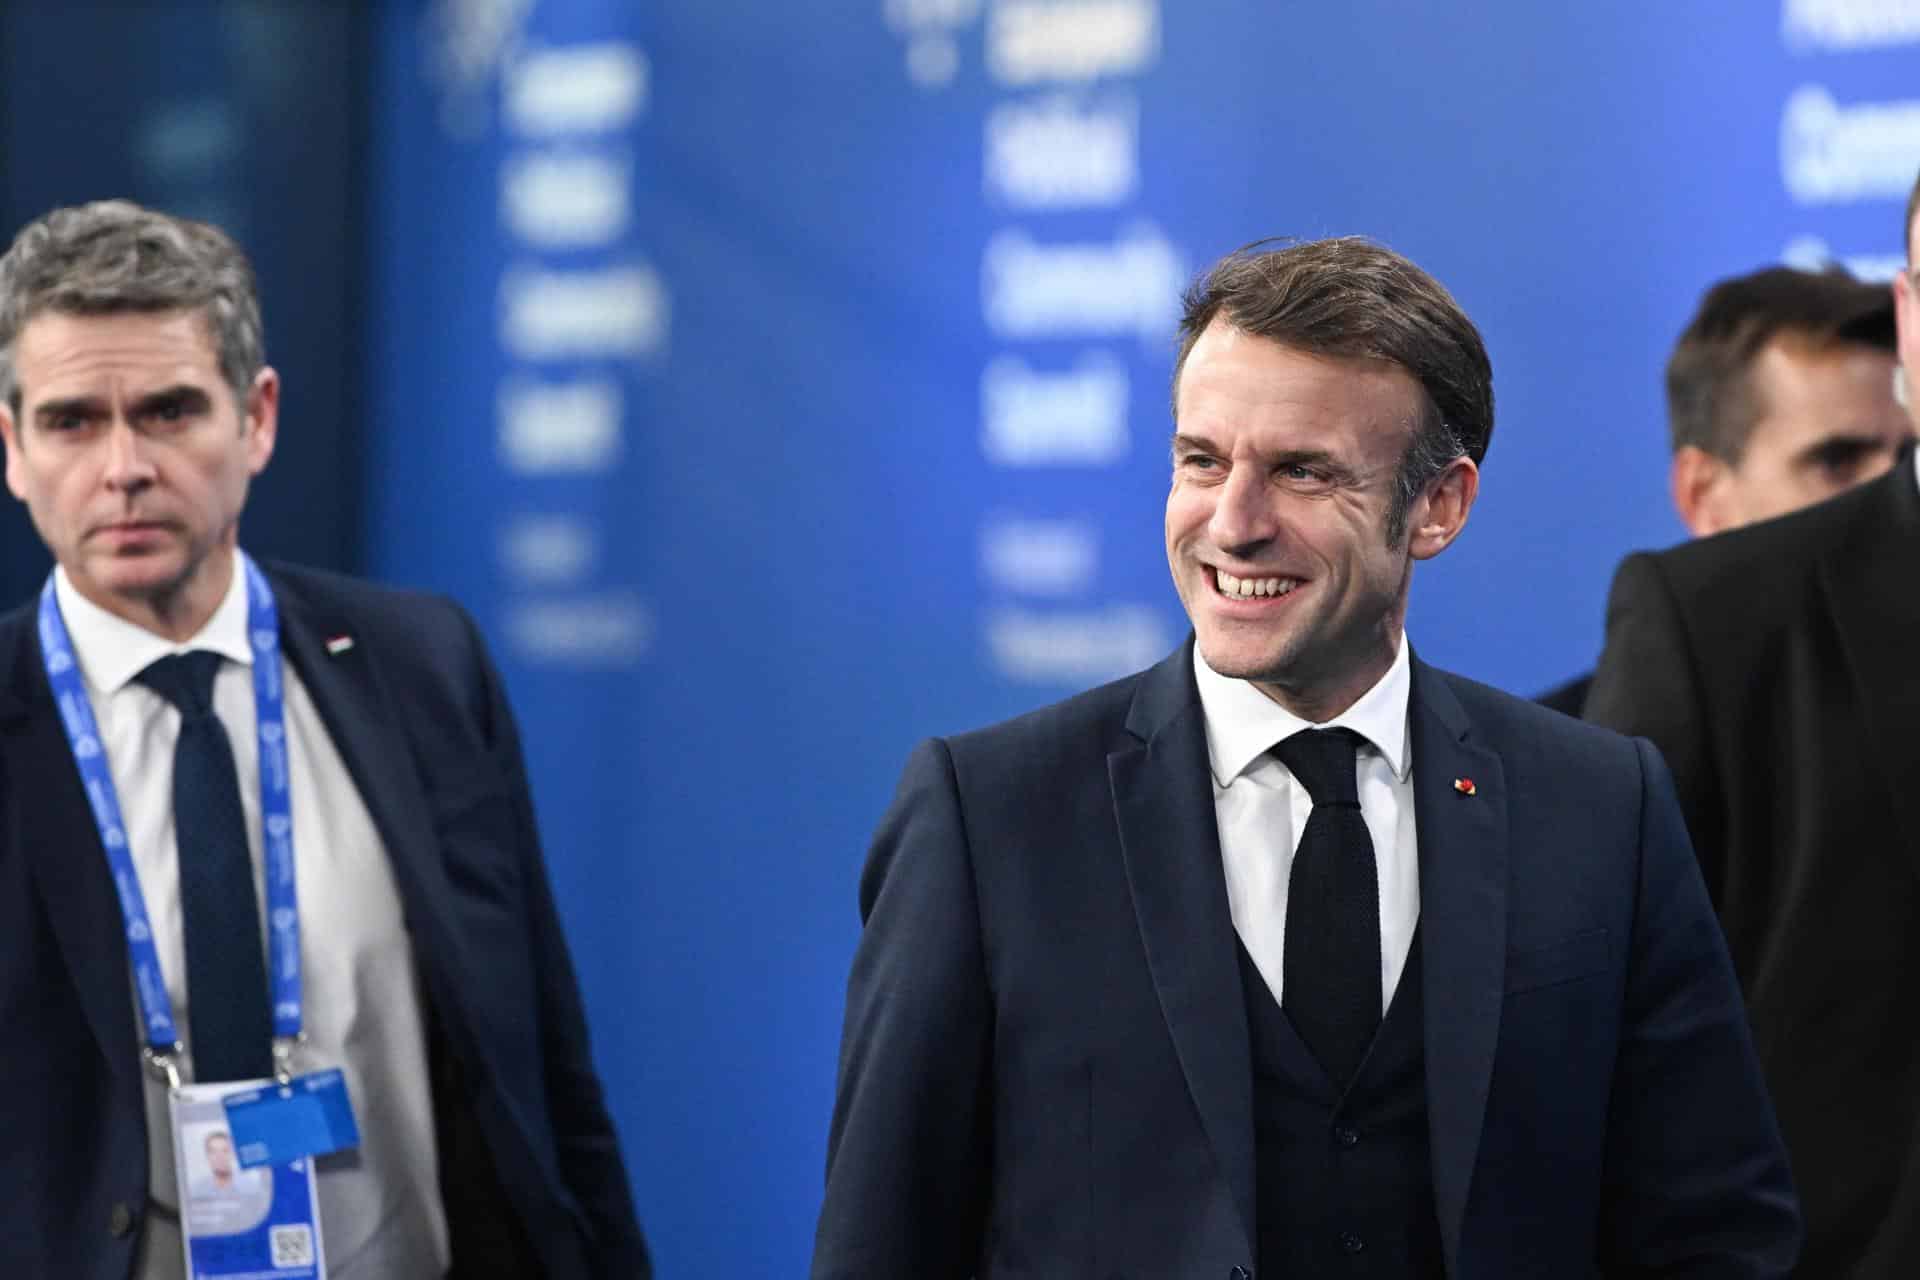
[{"x": 263, "y": 1222}]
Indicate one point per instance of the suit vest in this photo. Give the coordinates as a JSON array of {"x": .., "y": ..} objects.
[{"x": 1343, "y": 1183}]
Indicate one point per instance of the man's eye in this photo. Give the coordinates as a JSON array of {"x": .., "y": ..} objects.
[
  {"x": 1841, "y": 459},
  {"x": 1198, "y": 462}
]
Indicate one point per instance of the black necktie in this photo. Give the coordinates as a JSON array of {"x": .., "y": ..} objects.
[
  {"x": 1330, "y": 985},
  {"x": 226, "y": 972}
]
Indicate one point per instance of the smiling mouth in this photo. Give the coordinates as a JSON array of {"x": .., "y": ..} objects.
[{"x": 1251, "y": 588}]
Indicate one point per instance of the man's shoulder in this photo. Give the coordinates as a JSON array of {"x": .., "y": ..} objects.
[
  {"x": 427, "y": 643},
  {"x": 1568, "y": 697},
  {"x": 328, "y": 589},
  {"x": 1523, "y": 729},
  {"x": 19, "y": 620},
  {"x": 397, "y": 618},
  {"x": 1761, "y": 562}
]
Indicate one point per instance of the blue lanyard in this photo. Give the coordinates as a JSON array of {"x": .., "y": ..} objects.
[{"x": 276, "y": 814}]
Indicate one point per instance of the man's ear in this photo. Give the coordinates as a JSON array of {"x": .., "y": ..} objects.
[
  {"x": 1440, "y": 513},
  {"x": 1702, "y": 491},
  {"x": 16, "y": 465},
  {"x": 260, "y": 418}
]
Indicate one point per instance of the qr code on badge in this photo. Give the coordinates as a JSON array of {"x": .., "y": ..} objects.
[{"x": 292, "y": 1246}]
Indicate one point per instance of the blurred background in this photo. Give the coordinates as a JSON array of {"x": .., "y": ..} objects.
[{"x": 781, "y": 383}]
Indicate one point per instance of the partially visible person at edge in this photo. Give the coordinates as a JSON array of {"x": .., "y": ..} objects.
[
  {"x": 136, "y": 405},
  {"x": 1778, "y": 668},
  {"x": 1779, "y": 395}
]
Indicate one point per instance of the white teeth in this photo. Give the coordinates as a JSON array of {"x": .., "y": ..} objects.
[{"x": 1246, "y": 588}]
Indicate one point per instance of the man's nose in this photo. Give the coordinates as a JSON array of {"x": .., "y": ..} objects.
[
  {"x": 1243, "y": 511},
  {"x": 128, "y": 466}
]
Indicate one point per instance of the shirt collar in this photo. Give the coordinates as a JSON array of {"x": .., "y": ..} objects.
[
  {"x": 112, "y": 651},
  {"x": 1244, "y": 723}
]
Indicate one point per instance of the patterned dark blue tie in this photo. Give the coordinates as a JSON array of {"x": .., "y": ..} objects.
[
  {"x": 226, "y": 970},
  {"x": 1330, "y": 984}
]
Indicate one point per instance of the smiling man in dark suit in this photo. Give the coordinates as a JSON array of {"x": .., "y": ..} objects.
[
  {"x": 136, "y": 405},
  {"x": 1778, "y": 667},
  {"x": 1293, "y": 955}
]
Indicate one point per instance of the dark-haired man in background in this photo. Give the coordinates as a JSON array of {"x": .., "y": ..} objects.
[
  {"x": 149, "y": 735},
  {"x": 1294, "y": 955},
  {"x": 1778, "y": 668},
  {"x": 1779, "y": 395}
]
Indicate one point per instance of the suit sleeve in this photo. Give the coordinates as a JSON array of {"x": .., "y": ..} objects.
[
  {"x": 1696, "y": 1182},
  {"x": 1647, "y": 686},
  {"x": 584, "y": 1136},
  {"x": 909, "y": 1150}
]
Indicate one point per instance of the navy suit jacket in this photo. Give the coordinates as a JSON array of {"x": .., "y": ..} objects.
[
  {"x": 531, "y": 1171},
  {"x": 1777, "y": 666},
  {"x": 1045, "y": 1070}
]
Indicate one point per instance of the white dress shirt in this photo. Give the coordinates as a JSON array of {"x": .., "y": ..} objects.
[
  {"x": 1262, "y": 812},
  {"x": 380, "y": 1209}
]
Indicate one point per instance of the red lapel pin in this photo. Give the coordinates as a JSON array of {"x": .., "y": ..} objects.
[{"x": 1464, "y": 786}]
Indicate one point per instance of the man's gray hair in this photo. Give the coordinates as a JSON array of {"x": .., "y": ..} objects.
[{"x": 115, "y": 256}]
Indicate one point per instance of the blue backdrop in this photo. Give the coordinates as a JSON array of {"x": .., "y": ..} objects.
[{"x": 782, "y": 383}]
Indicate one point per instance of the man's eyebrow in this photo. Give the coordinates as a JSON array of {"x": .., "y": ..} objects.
[
  {"x": 66, "y": 405},
  {"x": 183, "y": 395},
  {"x": 1325, "y": 459},
  {"x": 1319, "y": 457}
]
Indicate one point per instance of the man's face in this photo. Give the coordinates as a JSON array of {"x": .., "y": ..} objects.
[
  {"x": 133, "y": 456},
  {"x": 1283, "y": 471},
  {"x": 220, "y": 1155},
  {"x": 1829, "y": 422}
]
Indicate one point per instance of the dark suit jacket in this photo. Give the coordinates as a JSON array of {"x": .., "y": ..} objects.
[
  {"x": 1046, "y": 1072},
  {"x": 1569, "y": 698},
  {"x": 1778, "y": 668},
  {"x": 531, "y": 1172}
]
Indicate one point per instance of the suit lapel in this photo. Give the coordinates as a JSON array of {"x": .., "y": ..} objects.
[
  {"x": 360, "y": 718},
  {"x": 1163, "y": 803},
  {"x": 1463, "y": 926},
  {"x": 55, "y": 832},
  {"x": 1872, "y": 582}
]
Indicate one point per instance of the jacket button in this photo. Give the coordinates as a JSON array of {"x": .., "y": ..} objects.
[
  {"x": 120, "y": 1219},
  {"x": 1346, "y": 1137},
  {"x": 1351, "y": 1242}
]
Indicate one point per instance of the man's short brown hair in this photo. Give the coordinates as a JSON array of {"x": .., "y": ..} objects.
[
  {"x": 115, "y": 256},
  {"x": 1353, "y": 299},
  {"x": 1712, "y": 401}
]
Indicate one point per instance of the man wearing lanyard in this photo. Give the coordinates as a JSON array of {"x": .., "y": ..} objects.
[{"x": 186, "y": 737}]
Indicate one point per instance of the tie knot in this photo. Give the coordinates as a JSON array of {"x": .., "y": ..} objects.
[
  {"x": 1322, "y": 761},
  {"x": 185, "y": 680}
]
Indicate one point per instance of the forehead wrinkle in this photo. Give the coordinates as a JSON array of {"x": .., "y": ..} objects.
[{"x": 117, "y": 374}]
